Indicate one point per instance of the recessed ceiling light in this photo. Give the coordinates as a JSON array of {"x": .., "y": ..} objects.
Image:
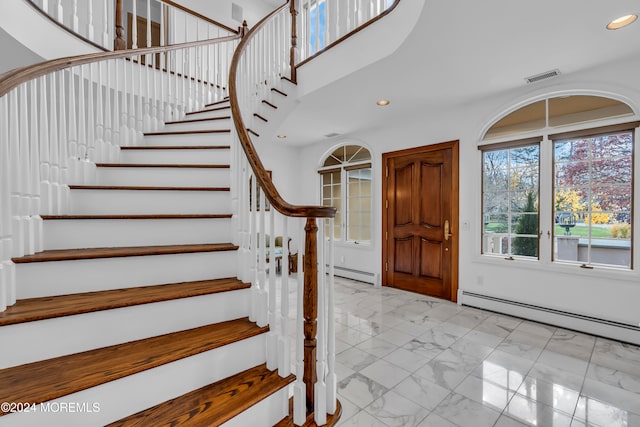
[
  {"x": 282, "y": 136},
  {"x": 383, "y": 102},
  {"x": 621, "y": 22}
]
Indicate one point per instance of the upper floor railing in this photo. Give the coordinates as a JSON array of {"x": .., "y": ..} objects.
[{"x": 131, "y": 24}]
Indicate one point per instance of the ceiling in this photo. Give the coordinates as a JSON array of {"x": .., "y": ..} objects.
[{"x": 461, "y": 51}]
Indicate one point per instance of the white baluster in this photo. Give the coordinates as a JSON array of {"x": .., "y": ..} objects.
[
  {"x": 75, "y": 24},
  {"x": 253, "y": 230},
  {"x": 332, "y": 378},
  {"x": 284, "y": 347},
  {"x": 54, "y": 144},
  {"x": 163, "y": 8},
  {"x": 272, "y": 336},
  {"x": 109, "y": 108},
  {"x": 7, "y": 269},
  {"x": 25, "y": 173},
  {"x": 134, "y": 24},
  {"x": 45, "y": 6},
  {"x": 64, "y": 141},
  {"x": 60, "y": 12},
  {"x": 299, "y": 388},
  {"x": 125, "y": 134},
  {"x": 140, "y": 104},
  {"x": 148, "y": 23},
  {"x": 133, "y": 135},
  {"x": 90, "y": 27},
  {"x": 145, "y": 92},
  {"x": 74, "y": 149},
  {"x": 263, "y": 301},
  {"x": 100, "y": 145},
  {"x": 36, "y": 141},
  {"x": 82, "y": 127},
  {"x": 114, "y": 71},
  {"x": 320, "y": 387},
  {"x": 40, "y": 122},
  {"x": 107, "y": 17}
]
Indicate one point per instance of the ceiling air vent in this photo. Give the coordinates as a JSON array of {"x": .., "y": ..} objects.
[
  {"x": 236, "y": 12},
  {"x": 543, "y": 76},
  {"x": 331, "y": 135}
]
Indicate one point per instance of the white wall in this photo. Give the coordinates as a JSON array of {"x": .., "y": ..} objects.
[
  {"x": 609, "y": 294},
  {"x": 220, "y": 10}
]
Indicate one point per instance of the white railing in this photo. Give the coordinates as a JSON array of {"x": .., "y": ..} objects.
[
  {"x": 144, "y": 23},
  {"x": 260, "y": 64},
  {"x": 323, "y": 22},
  {"x": 76, "y": 112}
]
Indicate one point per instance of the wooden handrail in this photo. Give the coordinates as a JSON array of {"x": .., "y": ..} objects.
[
  {"x": 262, "y": 177},
  {"x": 15, "y": 78},
  {"x": 349, "y": 34}
]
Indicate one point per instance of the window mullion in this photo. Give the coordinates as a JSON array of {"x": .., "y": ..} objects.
[{"x": 546, "y": 197}]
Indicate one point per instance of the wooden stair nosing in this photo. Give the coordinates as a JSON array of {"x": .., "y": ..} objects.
[
  {"x": 278, "y": 91},
  {"x": 251, "y": 131},
  {"x": 213, "y": 404},
  {"x": 217, "y": 102},
  {"x": 260, "y": 117},
  {"x": 206, "y": 119},
  {"x": 33, "y": 309},
  {"x": 287, "y": 79},
  {"x": 137, "y": 217},
  {"x": 121, "y": 252},
  {"x": 264, "y": 101},
  {"x": 143, "y": 188},
  {"x": 209, "y": 110},
  {"x": 161, "y": 165},
  {"x": 332, "y": 419},
  {"x": 49, "y": 379},
  {"x": 178, "y": 147},
  {"x": 187, "y": 132}
]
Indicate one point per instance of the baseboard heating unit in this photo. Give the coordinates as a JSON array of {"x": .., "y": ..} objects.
[
  {"x": 593, "y": 325},
  {"x": 362, "y": 276}
]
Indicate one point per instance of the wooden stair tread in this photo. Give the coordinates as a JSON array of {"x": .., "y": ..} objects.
[
  {"x": 217, "y": 102},
  {"x": 49, "y": 379},
  {"x": 260, "y": 117},
  {"x": 278, "y": 91},
  {"x": 206, "y": 119},
  {"x": 264, "y": 101},
  {"x": 32, "y": 309},
  {"x": 209, "y": 110},
  {"x": 160, "y": 165},
  {"x": 119, "y": 252},
  {"x": 153, "y": 216},
  {"x": 178, "y": 147},
  {"x": 214, "y": 404},
  {"x": 138, "y": 187},
  {"x": 187, "y": 132}
]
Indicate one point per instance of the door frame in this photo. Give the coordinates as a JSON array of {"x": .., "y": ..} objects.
[{"x": 455, "y": 205}]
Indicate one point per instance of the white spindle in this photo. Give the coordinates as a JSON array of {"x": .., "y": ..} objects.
[
  {"x": 299, "y": 388},
  {"x": 54, "y": 143},
  {"x": 108, "y": 111},
  {"x": 40, "y": 124},
  {"x": 82, "y": 126},
  {"x": 75, "y": 23},
  {"x": 60, "y": 12},
  {"x": 163, "y": 8},
  {"x": 90, "y": 27},
  {"x": 90, "y": 156},
  {"x": 320, "y": 388},
  {"x": 272, "y": 336},
  {"x": 148, "y": 23},
  {"x": 7, "y": 286},
  {"x": 64, "y": 141},
  {"x": 25, "y": 176},
  {"x": 262, "y": 267},
  {"x": 332, "y": 378},
  {"x": 137, "y": 85},
  {"x": 100, "y": 145},
  {"x": 253, "y": 230},
  {"x": 134, "y": 24},
  {"x": 74, "y": 148},
  {"x": 284, "y": 348},
  {"x": 117, "y": 92},
  {"x": 106, "y": 42}
]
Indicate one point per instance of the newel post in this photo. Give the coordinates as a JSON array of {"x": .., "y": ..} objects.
[
  {"x": 294, "y": 40},
  {"x": 244, "y": 29},
  {"x": 310, "y": 300},
  {"x": 119, "y": 43}
]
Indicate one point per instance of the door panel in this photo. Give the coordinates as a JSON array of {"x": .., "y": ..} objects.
[{"x": 419, "y": 191}]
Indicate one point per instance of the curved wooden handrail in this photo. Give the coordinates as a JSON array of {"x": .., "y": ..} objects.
[
  {"x": 349, "y": 34},
  {"x": 262, "y": 177},
  {"x": 16, "y": 77}
]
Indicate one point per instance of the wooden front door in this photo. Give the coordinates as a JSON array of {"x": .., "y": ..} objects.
[{"x": 420, "y": 220}]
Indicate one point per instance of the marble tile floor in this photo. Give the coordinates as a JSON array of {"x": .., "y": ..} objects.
[{"x": 404, "y": 359}]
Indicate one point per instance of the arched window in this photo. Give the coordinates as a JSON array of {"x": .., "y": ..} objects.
[
  {"x": 346, "y": 184},
  {"x": 588, "y": 218}
]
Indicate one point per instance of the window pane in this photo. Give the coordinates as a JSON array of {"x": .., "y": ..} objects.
[
  {"x": 510, "y": 201},
  {"x": 593, "y": 199}
]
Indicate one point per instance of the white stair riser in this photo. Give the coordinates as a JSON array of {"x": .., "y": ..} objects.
[
  {"x": 96, "y": 202},
  {"x": 184, "y": 157},
  {"x": 128, "y": 395},
  {"x": 266, "y": 413},
  {"x": 41, "y": 340},
  {"x": 102, "y": 233},
  {"x": 209, "y": 114},
  {"x": 200, "y": 125},
  {"x": 163, "y": 177},
  {"x": 219, "y": 138},
  {"x": 75, "y": 276}
]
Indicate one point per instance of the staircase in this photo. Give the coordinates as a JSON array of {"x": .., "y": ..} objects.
[{"x": 133, "y": 315}]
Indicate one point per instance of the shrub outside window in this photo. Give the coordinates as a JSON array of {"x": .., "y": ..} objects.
[{"x": 510, "y": 200}]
